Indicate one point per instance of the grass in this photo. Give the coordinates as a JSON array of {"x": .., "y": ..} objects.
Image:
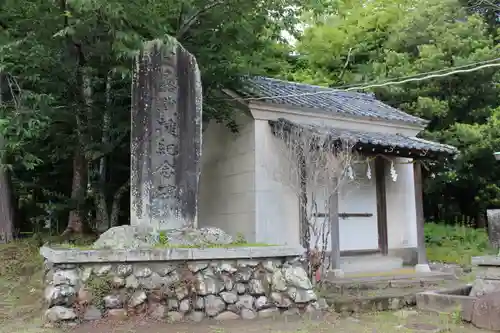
[{"x": 455, "y": 243}]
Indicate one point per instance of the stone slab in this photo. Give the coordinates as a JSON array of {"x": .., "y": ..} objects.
[
  {"x": 59, "y": 256},
  {"x": 486, "y": 261},
  {"x": 165, "y": 136},
  {"x": 445, "y": 300}
]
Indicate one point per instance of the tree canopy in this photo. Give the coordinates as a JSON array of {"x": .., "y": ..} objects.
[{"x": 65, "y": 78}]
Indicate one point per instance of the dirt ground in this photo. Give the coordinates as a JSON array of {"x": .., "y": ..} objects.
[{"x": 383, "y": 322}]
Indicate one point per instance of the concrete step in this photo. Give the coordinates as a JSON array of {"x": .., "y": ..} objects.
[
  {"x": 377, "y": 293},
  {"x": 370, "y": 263}
]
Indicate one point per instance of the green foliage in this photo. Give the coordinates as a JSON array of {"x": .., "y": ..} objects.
[
  {"x": 65, "y": 78},
  {"x": 455, "y": 243},
  {"x": 385, "y": 40},
  {"x": 99, "y": 287}
]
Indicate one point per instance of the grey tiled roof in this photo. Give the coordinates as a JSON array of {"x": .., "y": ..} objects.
[
  {"x": 392, "y": 142},
  {"x": 321, "y": 98}
]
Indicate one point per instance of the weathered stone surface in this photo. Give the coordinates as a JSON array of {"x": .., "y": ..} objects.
[
  {"x": 124, "y": 237},
  {"x": 117, "y": 314},
  {"x": 248, "y": 314},
  {"x": 227, "y": 267},
  {"x": 301, "y": 295},
  {"x": 197, "y": 266},
  {"x": 245, "y": 302},
  {"x": 184, "y": 305},
  {"x": 59, "y": 313},
  {"x": 158, "y": 311},
  {"x": 163, "y": 269},
  {"x": 208, "y": 283},
  {"x": 241, "y": 288},
  {"x": 84, "y": 296},
  {"x": 297, "y": 277},
  {"x": 113, "y": 301},
  {"x": 131, "y": 282},
  {"x": 181, "y": 292},
  {"x": 247, "y": 263},
  {"x": 227, "y": 315},
  {"x": 199, "y": 303},
  {"x": 166, "y": 136},
  {"x": 271, "y": 265},
  {"x": 142, "y": 272},
  {"x": 244, "y": 274},
  {"x": 278, "y": 281},
  {"x": 493, "y": 216},
  {"x": 268, "y": 313},
  {"x": 124, "y": 270},
  {"x": 153, "y": 281},
  {"x": 482, "y": 287},
  {"x": 256, "y": 287},
  {"x": 86, "y": 273},
  {"x": 486, "y": 312},
  {"x": 103, "y": 270},
  {"x": 172, "y": 304},
  {"x": 196, "y": 316},
  {"x": 137, "y": 298},
  {"x": 206, "y": 288},
  {"x": 228, "y": 282},
  {"x": 492, "y": 273},
  {"x": 92, "y": 313},
  {"x": 118, "y": 282},
  {"x": 261, "y": 302},
  {"x": 281, "y": 300},
  {"x": 69, "y": 277},
  {"x": 59, "y": 295},
  {"x": 229, "y": 297},
  {"x": 214, "y": 305}
]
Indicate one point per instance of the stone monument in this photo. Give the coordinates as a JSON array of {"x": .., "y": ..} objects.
[
  {"x": 494, "y": 227},
  {"x": 166, "y": 137},
  {"x": 165, "y": 153}
]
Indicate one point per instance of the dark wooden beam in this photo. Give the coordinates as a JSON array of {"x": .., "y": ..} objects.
[
  {"x": 380, "y": 167},
  {"x": 419, "y": 205}
]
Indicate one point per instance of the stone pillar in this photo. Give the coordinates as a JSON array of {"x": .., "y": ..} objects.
[
  {"x": 494, "y": 227},
  {"x": 165, "y": 137},
  {"x": 422, "y": 264}
]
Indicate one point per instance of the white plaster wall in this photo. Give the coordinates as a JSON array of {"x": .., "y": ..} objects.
[
  {"x": 277, "y": 204},
  {"x": 359, "y": 196},
  {"x": 227, "y": 181},
  {"x": 401, "y": 209},
  {"x": 355, "y": 196}
]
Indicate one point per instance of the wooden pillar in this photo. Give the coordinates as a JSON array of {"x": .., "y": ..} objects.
[
  {"x": 333, "y": 217},
  {"x": 419, "y": 205},
  {"x": 380, "y": 167}
]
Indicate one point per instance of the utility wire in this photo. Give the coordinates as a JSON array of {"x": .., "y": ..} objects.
[
  {"x": 420, "y": 74},
  {"x": 383, "y": 83}
]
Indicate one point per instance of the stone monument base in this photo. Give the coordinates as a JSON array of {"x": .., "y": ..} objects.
[{"x": 175, "y": 284}]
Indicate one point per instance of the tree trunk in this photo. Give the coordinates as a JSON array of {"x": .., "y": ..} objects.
[
  {"x": 115, "y": 208},
  {"x": 79, "y": 186},
  {"x": 6, "y": 212}
]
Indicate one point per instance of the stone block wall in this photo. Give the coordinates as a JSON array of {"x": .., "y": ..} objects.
[{"x": 178, "y": 290}]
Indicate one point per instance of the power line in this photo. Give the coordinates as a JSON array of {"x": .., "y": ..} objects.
[
  {"x": 424, "y": 73},
  {"x": 429, "y": 75}
]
